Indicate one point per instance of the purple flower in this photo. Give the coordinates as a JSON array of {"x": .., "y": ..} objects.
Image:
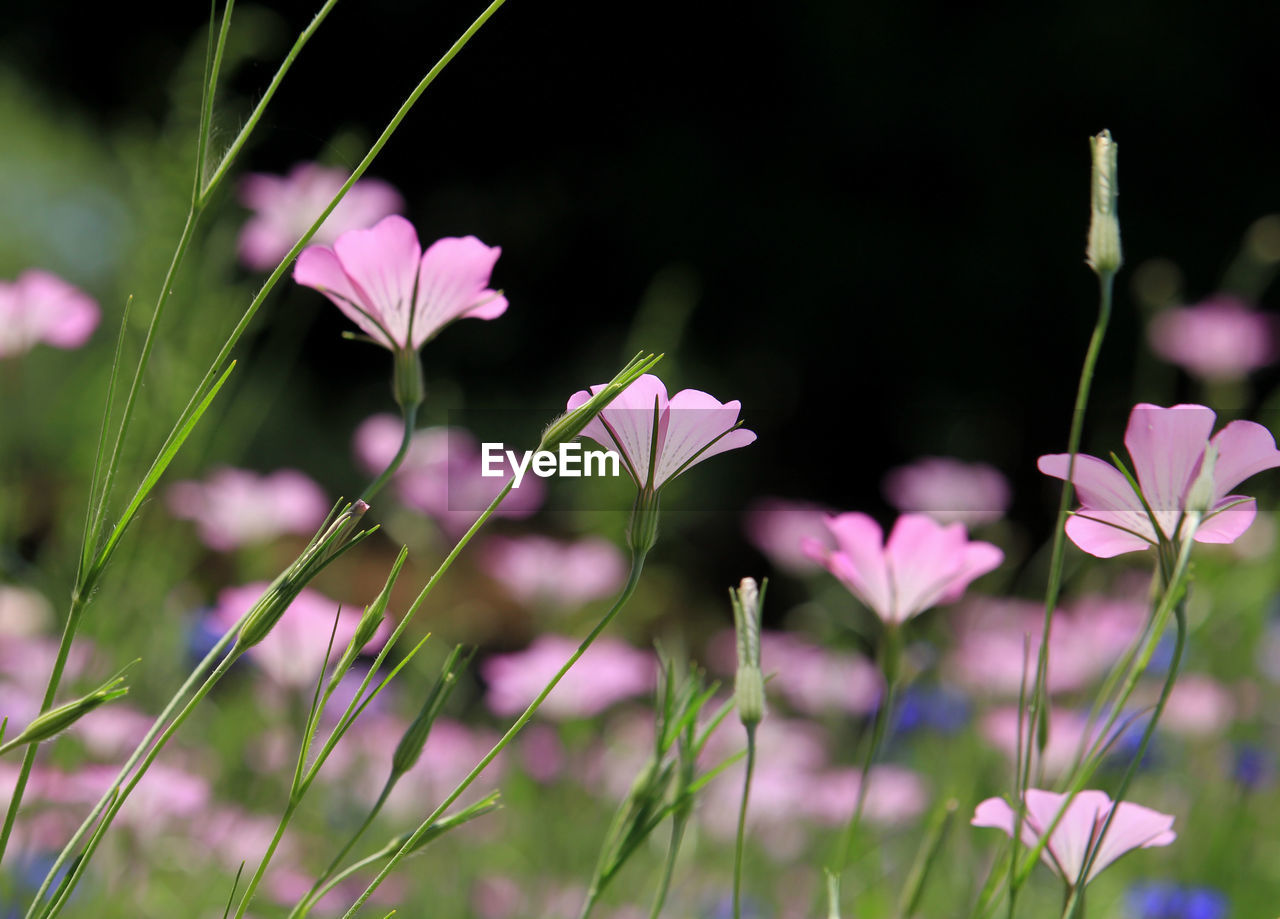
[
  {"x": 40, "y": 307},
  {"x": 1168, "y": 447},
  {"x": 236, "y": 507},
  {"x": 949, "y": 490},
  {"x": 397, "y": 294},
  {"x": 923, "y": 563},
  {"x": 658, "y": 438},
  {"x": 1221, "y": 339},
  {"x": 285, "y": 207}
]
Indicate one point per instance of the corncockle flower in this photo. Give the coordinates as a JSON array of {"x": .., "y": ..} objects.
[
  {"x": 236, "y": 507},
  {"x": 894, "y": 795},
  {"x": 949, "y": 490},
  {"x": 1198, "y": 706},
  {"x": 285, "y": 207},
  {"x": 658, "y": 438},
  {"x": 777, "y": 527},
  {"x": 609, "y": 671},
  {"x": 24, "y": 612},
  {"x": 923, "y": 563},
  {"x": 1076, "y": 835},
  {"x": 441, "y": 475},
  {"x": 1168, "y": 447},
  {"x": 1219, "y": 340},
  {"x": 399, "y": 295},
  {"x": 41, "y": 307},
  {"x": 293, "y": 652},
  {"x": 541, "y": 572}
]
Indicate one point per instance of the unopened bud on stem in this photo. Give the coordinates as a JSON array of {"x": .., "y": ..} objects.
[
  {"x": 1103, "y": 252},
  {"x": 748, "y": 684}
]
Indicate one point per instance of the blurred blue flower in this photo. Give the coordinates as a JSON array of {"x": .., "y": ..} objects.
[
  {"x": 1167, "y": 900},
  {"x": 723, "y": 909},
  {"x": 936, "y": 708},
  {"x": 1254, "y": 767}
]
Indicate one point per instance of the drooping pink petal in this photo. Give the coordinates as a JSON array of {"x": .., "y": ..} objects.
[
  {"x": 863, "y": 568},
  {"x": 454, "y": 283},
  {"x": 922, "y": 557},
  {"x": 1245, "y": 448},
  {"x": 1167, "y": 445},
  {"x": 319, "y": 267},
  {"x": 696, "y": 426},
  {"x": 976, "y": 559},
  {"x": 1105, "y": 534},
  {"x": 1227, "y": 520},
  {"x": 627, "y": 423},
  {"x": 1134, "y": 827},
  {"x": 383, "y": 262}
]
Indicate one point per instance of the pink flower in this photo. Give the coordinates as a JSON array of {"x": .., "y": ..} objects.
[
  {"x": 538, "y": 571},
  {"x": 285, "y": 207},
  {"x": 1068, "y": 729},
  {"x": 1134, "y": 827},
  {"x": 923, "y": 564},
  {"x": 658, "y": 438},
  {"x": 948, "y": 490},
  {"x": 41, "y": 307},
  {"x": 397, "y": 294},
  {"x": 1221, "y": 339},
  {"x": 777, "y": 527},
  {"x": 1167, "y": 446},
  {"x": 608, "y": 672},
  {"x": 235, "y": 507},
  {"x": 293, "y": 652},
  {"x": 441, "y": 475}
]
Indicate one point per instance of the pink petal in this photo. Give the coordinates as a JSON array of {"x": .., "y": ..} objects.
[
  {"x": 383, "y": 262},
  {"x": 860, "y": 561},
  {"x": 319, "y": 267},
  {"x": 1233, "y": 516},
  {"x": 453, "y": 284},
  {"x": 922, "y": 556},
  {"x": 1134, "y": 827},
  {"x": 1070, "y": 842},
  {"x": 1166, "y": 445},
  {"x": 62, "y": 315},
  {"x": 1104, "y": 534},
  {"x": 626, "y": 425},
  {"x": 978, "y": 559},
  {"x": 697, "y": 419},
  {"x": 1244, "y": 449}
]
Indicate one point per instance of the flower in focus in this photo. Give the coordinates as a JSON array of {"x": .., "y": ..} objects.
[
  {"x": 923, "y": 564},
  {"x": 1076, "y": 836},
  {"x": 397, "y": 294},
  {"x": 285, "y": 207},
  {"x": 441, "y": 475},
  {"x": 1219, "y": 340},
  {"x": 41, "y": 307},
  {"x": 1168, "y": 447},
  {"x": 777, "y": 527},
  {"x": 235, "y": 507},
  {"x": 293, "y": 652},
  {"x": 608, "y": 672},
  {"x": 658, "y": 438},
  {"x": 948, "y": 490},
  {"x": 543, "y": 572}
]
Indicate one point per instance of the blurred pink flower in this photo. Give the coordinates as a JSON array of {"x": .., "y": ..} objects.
[
  {"x": 41, "y": 307},
  {"x": 895, "y": 795},
  {"x": 690, "y": 427},
  {"x": 293, "y": 652},
  {"x": 777, "y": 527},
  {"x": 24, "y": 612},
  {"x": 397, "y": 294},
  {"x": 112, "y": 731},
  {"x": 949, "y": 490},
  {"x": 452, "y": 751},
  {"x": 923, "y": 564},
  {"x": 1134, "y": 827},
  {"x": 1066, "y": 732},
  {"x": 441, "y": 475},
  {"x": 1167, "y": 446},
  {"x": 813, "y": 679},
  {"x": 542, "y": 753},
  {"x": 542, "y": 572},
  {"x": 1220, "y": 339},
  {"x": 236, "y": 507},
  {"x": 285, "y": 207},
  {"x": 1084, "y": 641},
  {"x": 609, "y": 671},
  {"x": 1198, "y": 706}
]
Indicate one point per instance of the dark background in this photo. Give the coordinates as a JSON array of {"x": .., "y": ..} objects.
[{"x": 882, "y": 205}]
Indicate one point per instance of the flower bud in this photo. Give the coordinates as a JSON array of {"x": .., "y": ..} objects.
[
  {"x": 642, "y": 531},
  {"x": 571, "y": 424},
  {"x": 1103, "y": 252},
  {"x": 53, "y": 722},
  {"x": 409, "y": 749},
  {"x": 748, "y": 683}
]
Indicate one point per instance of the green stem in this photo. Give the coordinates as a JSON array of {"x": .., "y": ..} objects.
[
  {"x": 1037, "y": 713},
  {"x": 410, "y": 416},
  {"x": 669, "y": 865},
  {"x": 318, "y": 889},
  {"x": 742, "y": 822},
  {"x": 878, "y": 730},
  {"x": 637, "y": 565},
  {"x": 254, "y": 881}
]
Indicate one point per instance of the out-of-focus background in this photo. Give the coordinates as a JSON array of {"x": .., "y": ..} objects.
[{"x": 866, "y": 222}]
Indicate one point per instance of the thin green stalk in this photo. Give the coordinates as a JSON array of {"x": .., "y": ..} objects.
[
  {"x": 678, "y": 824},
  {"x": 1037, "y": 713},
  {"x": 742, "y": 822},
  {"x": 410, "y": 417},
  {"x": 637, "y": 565},
  {"x": 318, "y": 889},
  {"x": 878, "y": 731}
]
